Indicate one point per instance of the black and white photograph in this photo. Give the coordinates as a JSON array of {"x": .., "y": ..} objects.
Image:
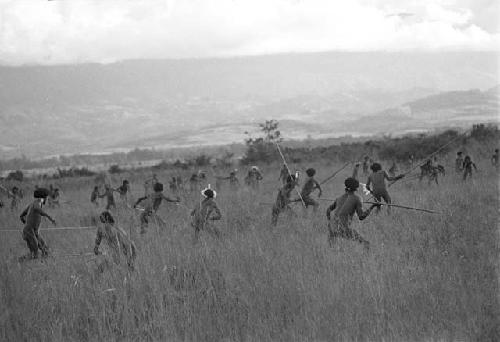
[{"x": 250, "y": 170}]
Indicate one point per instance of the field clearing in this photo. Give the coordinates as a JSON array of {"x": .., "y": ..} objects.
[{"x": 426, "y": 277}]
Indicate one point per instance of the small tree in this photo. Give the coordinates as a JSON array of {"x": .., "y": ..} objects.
[
  {"x": 225, "y": 160},
  {"x": 271, "y": 133},
  {"x": 201, "y": 160},
  {"x": 263, "y": 149},
  {"x": 115, "y": 169},
  {"x": 16, "y": 175}
]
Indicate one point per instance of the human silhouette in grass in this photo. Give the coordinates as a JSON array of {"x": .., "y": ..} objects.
[
  {"x": 205, "y": 213},
  {"x": 153, "y": 203},
  {"x": 31, "y": 217},
  {"x": 345, "y": 207}
]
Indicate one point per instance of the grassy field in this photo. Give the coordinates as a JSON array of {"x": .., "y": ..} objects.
[{"x": 426, "y": 277}]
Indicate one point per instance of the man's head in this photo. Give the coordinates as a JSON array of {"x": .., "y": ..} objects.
[
  {"x": 209, "y": 193},
  {"x": 351, "y": 184},
  {"x": 459, "y": 153},
  {"x": 158, "y": 187},
  {"x": 310, "y": 172},
  {"x": 291, "y": 179},
  {"x": 106, "y": 217},
  {"x": 41, "y": 193},
  {"x": 376, "y": 167}
]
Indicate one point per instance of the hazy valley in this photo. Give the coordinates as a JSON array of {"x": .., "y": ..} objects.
[{"x": 165, "y": 103}]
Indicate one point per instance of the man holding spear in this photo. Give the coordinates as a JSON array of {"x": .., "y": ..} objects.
[
  {"x": 377, "y": 180},
  {"x": 283, "y": 199},
  {"x": 345, "y": 206}
]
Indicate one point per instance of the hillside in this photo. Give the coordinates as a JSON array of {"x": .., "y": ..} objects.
[
  {"x": 93, "y": 108},
  {"x": 447, "y": 109}
]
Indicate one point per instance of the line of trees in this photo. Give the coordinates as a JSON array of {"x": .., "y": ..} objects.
[{"x": 262, "y": 150}]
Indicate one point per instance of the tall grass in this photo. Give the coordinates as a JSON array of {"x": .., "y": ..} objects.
[{"x": 425, "y": 278}]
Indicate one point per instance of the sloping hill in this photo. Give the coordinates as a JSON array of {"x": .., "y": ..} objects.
[
  {"x": 93, "y": 107},
  {"x": 447, "y": 109}
]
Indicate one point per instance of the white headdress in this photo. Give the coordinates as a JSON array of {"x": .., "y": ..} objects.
[
  {"x": 365, "y": 189},
  {"x": 208, "y": 188}
]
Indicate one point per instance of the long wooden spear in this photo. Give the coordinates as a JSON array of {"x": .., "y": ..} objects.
[
  {"x": 403, "y": 207},
  {"x": 334, "y": 174},
  {"x": 286, "y": 165},
  {"x": 390, "y": 205}
]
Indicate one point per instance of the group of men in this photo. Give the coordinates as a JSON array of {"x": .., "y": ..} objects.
[
  {"x": 206, "y": 211},
  {"x": 344, "y": 207}
]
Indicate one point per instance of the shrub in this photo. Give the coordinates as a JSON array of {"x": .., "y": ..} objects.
[
  {"x": 115, "y": 169},
  {"x": 16, "y": 175}
]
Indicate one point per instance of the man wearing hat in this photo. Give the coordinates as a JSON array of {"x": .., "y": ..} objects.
[
  {"x": 206, "y": 211},
  {"x": 31, "y": 218},
  {"x": 345, "y": 206}
]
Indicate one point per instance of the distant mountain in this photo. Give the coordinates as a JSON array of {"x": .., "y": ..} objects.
[
  {"x": 93, "y": 107},
  {"x": 447, "y": 109}
]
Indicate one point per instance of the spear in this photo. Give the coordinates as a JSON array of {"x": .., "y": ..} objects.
[
  {"x": 403, "y": 207},
  {"x": 269, "y": 203},
  {"x": 286, "y": 165},
  {"x": 390, "y": 205},
  {"x": 334, "y": 174}
]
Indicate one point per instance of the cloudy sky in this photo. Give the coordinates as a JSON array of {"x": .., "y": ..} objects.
[{"x": 74, "y": 31}]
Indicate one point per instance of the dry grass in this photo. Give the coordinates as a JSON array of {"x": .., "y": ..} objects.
[{"x": 425, "y": 278}]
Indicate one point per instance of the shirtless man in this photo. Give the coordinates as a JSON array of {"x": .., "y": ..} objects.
[
  {"x": 309, "y": 186},
  {"x": 345, "y": 207},
  {"x": 376, "y": 183},
  {"x": 32, "y": 217}
]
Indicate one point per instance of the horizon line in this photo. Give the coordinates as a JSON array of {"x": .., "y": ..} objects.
[{"x": 457, "y": 50}]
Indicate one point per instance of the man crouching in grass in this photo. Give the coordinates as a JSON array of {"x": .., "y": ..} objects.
[
  {"x": 345, "y": 206},
  {"x": 116, "y": 240}
]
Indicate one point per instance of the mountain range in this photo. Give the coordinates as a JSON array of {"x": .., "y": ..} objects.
[{"x": 91, "y": 108}]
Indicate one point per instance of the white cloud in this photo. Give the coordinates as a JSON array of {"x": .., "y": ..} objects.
[{"x": 68, "y": 31}]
